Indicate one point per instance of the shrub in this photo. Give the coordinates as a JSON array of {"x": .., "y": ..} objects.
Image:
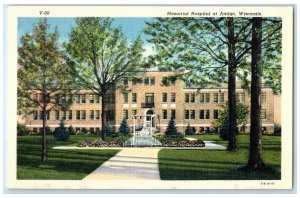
[
  {"x": 61, "y": 133},
  {"x": 71, "y": 130},
  {"x": 48, "y": 130},
  {"x": 124, "y": 128},
  {"x": 189, "y": 130},
  {"x": 223, "y": 120},
  {"x": 84, "y": 131},
  {"x": 22, "y": 130},
  {"x": 277, "y": 129},
  {"x": 109, "y": 130},
  {"x": 171, "y": 129}
]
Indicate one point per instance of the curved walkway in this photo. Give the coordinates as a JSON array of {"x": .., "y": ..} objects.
[
  {"x": 134, "y": 163},
  {"x": 129, "y": 163}
]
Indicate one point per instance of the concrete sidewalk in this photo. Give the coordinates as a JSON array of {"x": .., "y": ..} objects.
[{"x": 129, "y": 163}]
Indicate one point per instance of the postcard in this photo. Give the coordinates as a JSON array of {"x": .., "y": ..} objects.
[{"x": 149, "y": 97}]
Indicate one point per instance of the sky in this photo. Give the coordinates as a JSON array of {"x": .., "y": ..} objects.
[{"x": 131, "y": 27}]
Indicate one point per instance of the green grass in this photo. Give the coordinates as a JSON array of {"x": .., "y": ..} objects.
[
  {"x": 61, "y": 164},
  {"x": 218, "y": 165}
]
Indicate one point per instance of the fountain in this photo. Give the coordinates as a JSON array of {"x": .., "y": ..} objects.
[{"x": 143, "y": 137}]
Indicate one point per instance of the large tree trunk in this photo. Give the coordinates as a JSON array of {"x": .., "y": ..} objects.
[
  {"x": 255, "y": 161},
  {"x": 103, "y": 116},
  {"x": 232, "y": 144},
  {"x": 44, "y": 145}
]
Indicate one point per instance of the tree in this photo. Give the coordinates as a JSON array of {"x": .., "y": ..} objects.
[
  {"x": 124, "y": 128},
  {"x": 189, "y": 130},
  {"x": 42, "y": 76},
  {"x": 222, "y": 121},
  {"x": 100, "y": 57},
  {"x": 255, "y": 161},
  {"x": 61, "y": 133},
  {"x": 171, "y": 129},
  {"x": 205, "y": 48}
]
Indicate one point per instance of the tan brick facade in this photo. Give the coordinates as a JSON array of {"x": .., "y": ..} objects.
[{"x": 190, "y": 107}]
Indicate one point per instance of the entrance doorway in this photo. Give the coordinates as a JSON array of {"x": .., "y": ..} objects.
[{"x": 150, "y": 114}]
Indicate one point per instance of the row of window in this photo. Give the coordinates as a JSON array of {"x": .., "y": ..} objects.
[
  {"x": 64, "y": 115},
  {"x": 146, "y": 81},
  {"x": 191, "y": 97},
  {"x": 149, "y": 97},
  {"x": 189, "y": 114}
]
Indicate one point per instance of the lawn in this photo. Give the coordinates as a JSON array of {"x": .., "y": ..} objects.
[
  {"x": 61, "y": 164},
  {"x": 218, "y": 165}
]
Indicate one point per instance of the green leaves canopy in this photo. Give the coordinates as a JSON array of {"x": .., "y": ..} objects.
[
  {"x": 42, "y": 69},
  {"x": 100, "y": 55}
]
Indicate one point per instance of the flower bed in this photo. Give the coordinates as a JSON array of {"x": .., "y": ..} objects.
[
  {"x": 100, "y": 143},
  {"x": 182, "y": 143}
]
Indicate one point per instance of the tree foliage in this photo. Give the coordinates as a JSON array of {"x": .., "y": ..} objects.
[
  {"x": 124, "y": 128},
  {"x": 189, "y": 130},
  {"x": 171, "y": 129},
  {"x": 223, "y": 120},
  {"x": 42, "y": 74},
  {"x": 100, "y": 57},
  {"x": 61, "y": 133}
]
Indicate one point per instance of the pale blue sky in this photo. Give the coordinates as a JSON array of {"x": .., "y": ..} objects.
[{"x": 131, "y": 27}]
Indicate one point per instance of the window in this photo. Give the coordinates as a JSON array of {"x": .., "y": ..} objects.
[
  {"x": 187, "y": 97},
  {"x": 97, "y": 98},
  {"x": 201, "y": 129},
  {"x": 125, "y": 114},
  {"x": 56, "y": 115},
  {"x": 263, "y": 114},
  {"x": 216, "y": 114},
  {"x": 164, "y": 114},
  {"x": 186, "y": 114},
  {"x": 149, "y": 97},
  {"x": 125, "y": 98},
  {"x": 192, "y": 97},
  {"x": 83, "y": 115},
  {"x": 201, "y": 115},
  {"x": 207, "y": 116},
  {"x": 215, "y": 97},
  {"x": 207, "y": 97},
  {"x": 63, "y": 115},
  {"x": 222, "y": 98},
  {"x": 173, "y": 97},
  {"x": 263, "y": 97},
  {"x": 70, "y": 115},
  {"x": 125, "y": 82},
  {"x": 237, "y": 97},
  {"x": 134, "y": 112},
  {"x": 83, "y": 98},
  {"x": 69, "y": 98},
  {"x": 164, "y": 97},
  {"x": 77, "y": 115},
  {"x": 134, "y": 81},
  {"x": 134, "y": 98},
  {"x": 97, "y": 112},
  {"x": 41, "y": 115},
  {"x": 192, "y": 114},
  {"x": 146, "y": 81},
  {"x": 92, "y": 98},
  {"x": 149, "y": 81},
  {"x": 242, "y": 97},
  {"x": 47, "y": 115},
  {"x": 201, "y": 97},
  {"x": 91, "y": 114},
  {"x": 77, "y": 98},
  {"x": 173, "y": 113},
  {"x": 152, "y": 81}
]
